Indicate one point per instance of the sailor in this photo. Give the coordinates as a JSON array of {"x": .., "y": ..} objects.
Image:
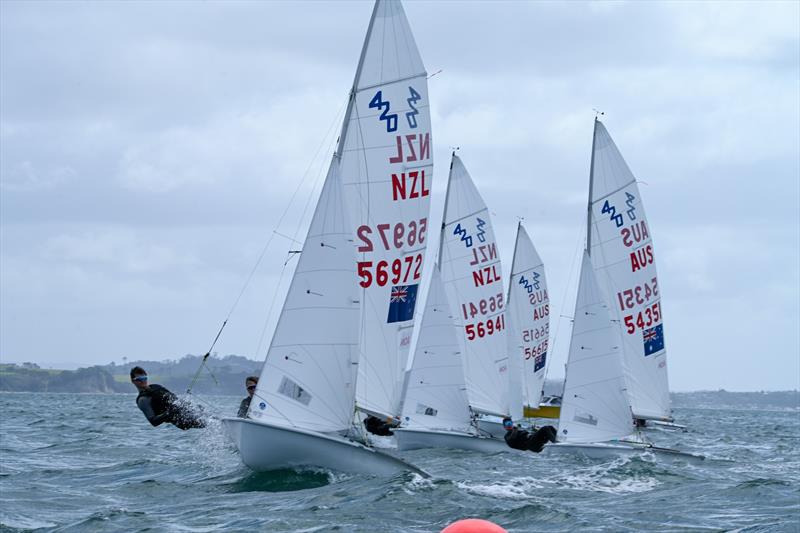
[
  {"x": 159, "y": 405},
  {"x": 250, "y": 384},
  {"x": 519, "y": 439},
  {"x": 376, "y": 426}
]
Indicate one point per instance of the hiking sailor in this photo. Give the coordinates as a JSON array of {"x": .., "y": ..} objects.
[
  {"x": 519, "y": 439},
  {"x": 159, "y": 405}
]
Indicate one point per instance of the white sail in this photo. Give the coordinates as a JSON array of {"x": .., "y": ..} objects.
[
  {"x": 594, "y": 407},
  {"x": 386, "y": 168},
  {"x": 529, "y": 314},
  {"x": 436, "y": 396},
  {"x": 308, "y": 380},
  {"x": 470, "y": 266},
  {"x": 623, "y": 257}
]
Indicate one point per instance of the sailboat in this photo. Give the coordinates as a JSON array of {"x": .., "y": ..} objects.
[
  {"x": 598, "y": 407},
  {"x": 621, "y": 248},
  {"x": 474, "y": 344},
  {"x": 338, "y": 351},
  {"x": 529, "y": 334}
]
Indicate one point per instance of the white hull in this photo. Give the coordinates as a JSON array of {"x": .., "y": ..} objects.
[
  {"x": 492, "y": 426},
  {"x": 606, "y": 450},
  {"x": 266, "y": 447},
  {"x": 413, "y": 439}
]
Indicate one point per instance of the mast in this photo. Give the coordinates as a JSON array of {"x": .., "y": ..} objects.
[
  {"x": 591, "y": 186},
  {"x": 351, "y": 100},
  {"x": 444, "y": 212}
]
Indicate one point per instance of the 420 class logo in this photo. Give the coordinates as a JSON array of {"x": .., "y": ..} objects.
[{"x": 385, "y": 106}]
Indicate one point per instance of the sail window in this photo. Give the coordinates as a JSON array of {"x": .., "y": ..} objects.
[
  {"x": 425, "y": 410},
  {"x": 294, "y": 391}
]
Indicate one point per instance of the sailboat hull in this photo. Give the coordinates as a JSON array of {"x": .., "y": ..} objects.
[
  {"x": 413, "y": 439},
  {"x": 265, "y": 447},
  {"x": 607, "y": 450}
]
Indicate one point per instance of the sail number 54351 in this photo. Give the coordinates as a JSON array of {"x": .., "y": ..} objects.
[{"x": 643, "y": 319}]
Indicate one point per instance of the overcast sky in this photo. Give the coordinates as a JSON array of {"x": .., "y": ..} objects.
[{"x": 149, "y": 149}]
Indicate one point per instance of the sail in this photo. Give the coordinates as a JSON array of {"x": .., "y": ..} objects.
[
  {"x": 594, "y": 407},
  {"x": 308, "y": 380},
  {"x": 529, "y": 314},
  {"x": 436, "y": 396},
  {"x": 472, "y": 276},
  {"x": 386, "y": 167},
  {"x": 623, "y": 256}
]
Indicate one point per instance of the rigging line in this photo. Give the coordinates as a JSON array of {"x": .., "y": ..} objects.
[
  {"x": 300, "y": 224},
  {"x": 563, "y": 299}
]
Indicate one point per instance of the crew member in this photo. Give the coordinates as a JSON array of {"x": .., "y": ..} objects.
[
  {"x": 376, "y": 426},
  {"x": 159, "y": 405},
  {"x": 519, "y": 439},
  {"x": 250, "y": 384}
]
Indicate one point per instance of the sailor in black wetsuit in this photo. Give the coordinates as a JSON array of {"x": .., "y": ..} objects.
[
  {"x": 159, "y": 405},
  {"x": 376, "y": 426},
  {"x": 519, "y": 439}
]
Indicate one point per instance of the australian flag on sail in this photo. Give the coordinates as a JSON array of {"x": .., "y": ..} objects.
[
  {"x": 401, "y": 303},
  {"x": 653, "y": 339}
]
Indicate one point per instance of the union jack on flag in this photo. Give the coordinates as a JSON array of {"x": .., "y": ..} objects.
[
  {"x": 399, "y": 294},
  {"x": 402, "y": 300},
  {"x": 653, "y": 339}
]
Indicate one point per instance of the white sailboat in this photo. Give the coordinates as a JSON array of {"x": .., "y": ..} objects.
[
  {"x": 622, "y": 253},
  {"x": 597, "y": 414},
  {"x": 472, "y": 278},
  {"x": 339, "y": 348},
  {"x": 436, "y": 410},
  {"x": 529, "y": 321}
]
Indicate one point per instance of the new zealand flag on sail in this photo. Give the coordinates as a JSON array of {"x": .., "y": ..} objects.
[
  {"x": 653, "y": 339},
  {"x": 401, "y": 303}
]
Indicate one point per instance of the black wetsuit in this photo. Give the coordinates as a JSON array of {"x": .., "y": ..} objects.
[
  {"x": 519, "y": 439},
  {"x": 376, "y": 426},
  {"x": 243, "y": 407},
  {"x": 159, "y": 405}
]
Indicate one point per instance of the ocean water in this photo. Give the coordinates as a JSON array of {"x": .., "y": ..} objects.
[{"x": 83, "y": 462}]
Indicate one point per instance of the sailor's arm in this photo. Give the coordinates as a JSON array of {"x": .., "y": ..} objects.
[{"x": 146, "y": 406}]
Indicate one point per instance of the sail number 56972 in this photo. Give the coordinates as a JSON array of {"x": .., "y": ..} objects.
[
  {"x": 401, "y": 270},
  {"x": 393, "y": 237}
]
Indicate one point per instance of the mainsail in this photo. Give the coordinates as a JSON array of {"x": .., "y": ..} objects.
[
  {"x": 436, "y": 396},
  {"x": 308, "y": 380},
  {"x": 529, "y": 314},
  {"x": 386, "y": 167},
  {"x": 470, "y": 266},
  {"x": 594, "y": 406},
  {"x": 622, "y": 253}
]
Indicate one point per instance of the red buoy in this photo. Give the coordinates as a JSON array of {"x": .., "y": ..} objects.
[{"x": 473, "y": 525}]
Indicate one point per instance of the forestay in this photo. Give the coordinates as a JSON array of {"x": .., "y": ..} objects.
[
  {"x": 308, "y": 380},
  {"x": 470, "y": 266},
  {"x": 386, "y": 168},
  {"x": 436, "y": 396},
  {"x": 623, "y": 257},
  {"x": 594, "y": 407},
  {"x": 529, "y": 314}
]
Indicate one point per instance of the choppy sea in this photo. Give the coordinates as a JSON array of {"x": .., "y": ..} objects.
[{"x": 86, "y": 462}]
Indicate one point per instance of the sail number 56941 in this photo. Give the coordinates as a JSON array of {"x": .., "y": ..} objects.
[
  {"x": 482, "y": 329},
  {"x": 404, "y": 270}
]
